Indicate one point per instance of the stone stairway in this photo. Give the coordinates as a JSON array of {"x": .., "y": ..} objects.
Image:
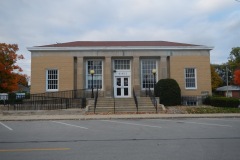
[
  {"x": 145, "y": 105},
  {"x": 122, "y": 105}
]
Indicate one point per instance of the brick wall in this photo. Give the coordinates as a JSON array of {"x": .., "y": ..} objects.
[
  {"x": 201, "y": 63},
  {"x": 40, "y": 64},
  {"x": 169, "y": 66}
]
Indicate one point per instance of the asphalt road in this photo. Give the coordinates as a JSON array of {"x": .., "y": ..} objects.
[{"x": 142, "y": 139}]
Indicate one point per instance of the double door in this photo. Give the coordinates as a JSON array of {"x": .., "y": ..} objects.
[{"x": 122, "y": 86}]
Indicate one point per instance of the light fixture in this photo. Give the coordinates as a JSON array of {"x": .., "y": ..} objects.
[
  {"x": 154, "y": 79},
  {"x": 154, "y": 71},
  {"x": 92, "y": 73}
]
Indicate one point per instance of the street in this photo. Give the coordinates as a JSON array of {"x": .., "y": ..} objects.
[{"x": 142, "y": 139}]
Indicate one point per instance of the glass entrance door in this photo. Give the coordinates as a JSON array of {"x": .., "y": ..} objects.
[{"x": 122, "y": 87}]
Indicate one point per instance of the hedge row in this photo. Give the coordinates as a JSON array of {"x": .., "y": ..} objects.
[{"x": 222, "y": 102}]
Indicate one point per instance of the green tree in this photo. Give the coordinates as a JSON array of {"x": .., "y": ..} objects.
[
  {"x": 234, "y": 58},
  {"x": 224, "y": 70},
  {"x": 229, "y": 67},
  {"x": 216, "y": 80}
]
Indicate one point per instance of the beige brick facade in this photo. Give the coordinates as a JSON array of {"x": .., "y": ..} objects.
[
  {"x": 202, "y": 66},
  {"x": 71, "y": 64},
  {"x": 63, "y": 64}
]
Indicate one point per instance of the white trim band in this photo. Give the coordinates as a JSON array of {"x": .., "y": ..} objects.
[{"x": 120, "y": 48}]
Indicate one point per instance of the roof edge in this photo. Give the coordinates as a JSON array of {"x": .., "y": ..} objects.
[{"x": 120, "y": 48}]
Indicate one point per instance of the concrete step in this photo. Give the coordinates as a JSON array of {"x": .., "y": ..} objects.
[
  {"x": 123, "y": 105},
  {"x": 122, "y": 110}
]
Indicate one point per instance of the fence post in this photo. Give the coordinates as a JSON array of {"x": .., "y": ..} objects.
[{"x": 83, "y": 102}]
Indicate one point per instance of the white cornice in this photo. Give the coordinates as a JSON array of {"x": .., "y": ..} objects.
[{"x": 119, "y": 48}]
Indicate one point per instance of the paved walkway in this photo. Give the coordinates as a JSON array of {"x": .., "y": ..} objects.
[{"x": 111, "y": 116}]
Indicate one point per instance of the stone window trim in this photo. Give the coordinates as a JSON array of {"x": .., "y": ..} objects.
[
  {"x": 146, "y": 73},
  {"x": 122, "y": 64},
  {"x": 52, "y": 80},
  {"x": 98, "y": 67},
  {"x": 190, "y": 75}
]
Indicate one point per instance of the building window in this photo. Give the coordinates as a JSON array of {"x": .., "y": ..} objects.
[
  {"x": 122, "y": 64},
  {"x": 191, "y": 100},
  {"x": 52, "y": 80},
  {"x": 147, "y": 78},
  {"x": 190, "y": 78},
  {"x": 97, "y": 66}
]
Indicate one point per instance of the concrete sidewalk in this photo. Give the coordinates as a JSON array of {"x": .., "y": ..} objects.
[{"x": 111, "y": 116}]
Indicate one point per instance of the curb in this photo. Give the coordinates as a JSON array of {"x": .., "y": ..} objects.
[{"x": 124, "y": 116}]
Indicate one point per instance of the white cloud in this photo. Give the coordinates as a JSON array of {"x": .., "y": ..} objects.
[
  {"x": 212, "y": 5},
  {"x": 39, "y": 22}
]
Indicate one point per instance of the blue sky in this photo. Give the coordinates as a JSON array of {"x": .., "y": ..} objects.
[{"x": 39, "y": 22}]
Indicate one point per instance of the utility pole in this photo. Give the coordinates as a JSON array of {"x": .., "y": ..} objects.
[{"x": 227, "y": 80}]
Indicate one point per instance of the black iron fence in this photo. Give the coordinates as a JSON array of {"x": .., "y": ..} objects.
[
  {"x": 49, "y": 100},
  {"x": 74, "y": 94},
  {"x": 47, "y": 104}
]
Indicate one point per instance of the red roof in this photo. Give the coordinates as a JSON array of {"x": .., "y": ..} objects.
[{"x": 116, "y": 43}]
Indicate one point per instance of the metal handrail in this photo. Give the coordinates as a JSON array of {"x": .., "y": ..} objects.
[
  {"x": 153, "y": 99},
  {"x": 135, "y": 99},
  {"x": 114, "y": 103},
  {"x": 95, "y": 100}
]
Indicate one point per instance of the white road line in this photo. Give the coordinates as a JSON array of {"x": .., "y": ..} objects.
[
  {"x": 6, "y": 126},
  {"x": 132, "y": 124},
  {"x": 227, "y": 120},
  {"x": 208, "y": 124},
  {"x": 70, "y": 125}
]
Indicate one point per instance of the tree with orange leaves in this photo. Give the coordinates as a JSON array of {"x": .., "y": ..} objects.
[
  {"x": 22, "y": 79},
  {"x": 237, "y": 77},
  {"x": 8, "y": 58}
]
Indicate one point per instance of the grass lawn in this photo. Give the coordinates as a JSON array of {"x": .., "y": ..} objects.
[{"x": 204, "y": 110}]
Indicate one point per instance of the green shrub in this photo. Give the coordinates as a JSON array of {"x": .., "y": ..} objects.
[
  {"x": 202, "y": 110},
  {"x": 232, "y": 102},
  {"x": 207, "y": 100},
  {"x": 27, "y": 96},
  {"x": 224, "y": 102},
  {"x": 168, "y": 92},
  {"x": 11, "y": 96}
]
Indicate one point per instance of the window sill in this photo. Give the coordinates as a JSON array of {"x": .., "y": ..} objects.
[
  {"x": 190, "y": 88},
  {"x": 55, "y": 90}
]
